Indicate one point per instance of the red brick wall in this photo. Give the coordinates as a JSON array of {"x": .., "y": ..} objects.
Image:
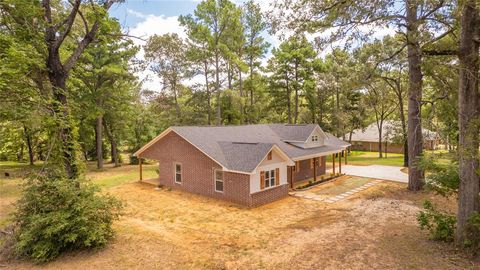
[
  {"x": 197, "y": 173},
  {"x": 269, "y": 195}
]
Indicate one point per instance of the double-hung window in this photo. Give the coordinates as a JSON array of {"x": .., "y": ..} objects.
[
  {"x": 178, "y": 173},
  {"x": 269, "y": 178},
  {"x": 218, "y": 175}
]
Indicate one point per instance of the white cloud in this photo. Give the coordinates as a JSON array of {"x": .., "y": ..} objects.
[{"x": 149, "y": 26}]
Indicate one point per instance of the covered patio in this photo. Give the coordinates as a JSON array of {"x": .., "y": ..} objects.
[{"x": 319, "y": 168}]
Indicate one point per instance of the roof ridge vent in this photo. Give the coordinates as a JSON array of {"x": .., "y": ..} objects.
[{"x": 253, "y": 143}]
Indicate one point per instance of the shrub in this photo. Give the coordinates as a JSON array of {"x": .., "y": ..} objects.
[
  {"x": 133, "y": 160},
  {"x": 441, "y": 225},
  {"x": 441, "y": 178},
  {"x": 472, "y": 232},
  {"x": 56, "y": 214}
]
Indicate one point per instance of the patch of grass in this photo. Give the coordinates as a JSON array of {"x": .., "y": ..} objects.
[
  {"x": 17, "y": 169},
  {"x": 365, "y": 158},
  {"x": 110, "y": 177},
  {"x": 10, "y": 187}
]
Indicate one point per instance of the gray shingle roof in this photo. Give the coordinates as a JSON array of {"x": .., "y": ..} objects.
[
  {"x": 242, "y": 148},
  {"x": 294, "y": 133},
  {"x": 244, "y": 157},
  {"x": 332, "y": 140}
]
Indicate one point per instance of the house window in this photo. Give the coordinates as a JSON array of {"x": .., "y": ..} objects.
[
  {"x": 314, "y": 138},
  {"x": 269, "y": 156},
  {"x": 218, "y": 175},
  {"x": 269, "y": 178},
  {"x": 178, "y": 173}
]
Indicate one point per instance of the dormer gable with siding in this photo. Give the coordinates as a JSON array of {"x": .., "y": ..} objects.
[{"x": 315, "y": 139}]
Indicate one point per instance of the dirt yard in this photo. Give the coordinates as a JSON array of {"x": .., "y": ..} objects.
[{"x": 376, "y": 229}]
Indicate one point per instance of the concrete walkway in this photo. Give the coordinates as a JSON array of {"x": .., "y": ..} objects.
[
  {"x": 391, "y": 173},
  {"x": 333, "y": 199}
]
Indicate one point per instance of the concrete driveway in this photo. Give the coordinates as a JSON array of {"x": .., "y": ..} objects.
[{"x": 391, "y": 173}]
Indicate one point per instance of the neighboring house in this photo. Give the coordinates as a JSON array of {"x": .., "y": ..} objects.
[
  {"x": 249, "y": 165},
  {"x": 367, "y": 139}
]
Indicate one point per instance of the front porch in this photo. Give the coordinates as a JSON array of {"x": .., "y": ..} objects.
[{"x": 316, "y": 169}]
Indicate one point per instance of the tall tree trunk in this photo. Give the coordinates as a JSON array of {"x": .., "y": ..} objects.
[
  {"x": 177, "y": 105},
  {"x": 251, "y": 82},
  {"x": 99, "y": 142},
  {"x": 20, "y": 153},
  {"x": 57, "y": 78},
  {"x": 113, "y": 143},
  {"x": 402, "y": 121},
  {"x": 415, "y": 140},
  {"x": 337, "y": 111},
  {"x": 380, "y": 139},
  {"x": 58, "y": 74},
  {"x": 296, "y": 93},
  {"x": 240, "y": 88},
  {"x": 229, "y": 75},
  {"x": 468, "y": 118},
  {"x": 28, "y": 139},
  {"x": 289, "y": 102},
  {"x": 209, "y": 105},
  {"x": 217, "y": 87}
]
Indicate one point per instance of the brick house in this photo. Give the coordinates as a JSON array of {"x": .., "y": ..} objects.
[
  {"x": 250, "y": 165},
  {"x": 367, "y": 139}
]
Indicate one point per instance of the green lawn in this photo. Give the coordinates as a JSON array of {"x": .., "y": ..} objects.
[{"x": 364, "y": 158}]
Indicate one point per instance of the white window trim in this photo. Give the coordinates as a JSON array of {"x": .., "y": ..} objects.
[
  {"x": 175, "y": 172},
  {"x": 269, "y": 179},
  {"x": 215, "y": 180}
]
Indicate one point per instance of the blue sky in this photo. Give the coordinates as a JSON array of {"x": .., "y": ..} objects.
[{"x": 154, "y": 7}]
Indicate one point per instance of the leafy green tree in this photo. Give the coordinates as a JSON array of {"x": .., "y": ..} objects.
[
  {"x": 211, "y": 21},
  {"x": 294, "y": 63},
  {"x": 393, "y": 72},
  {"x": 383, "y": 104},
  {"x": 97, "y": 85},
  {"x": 256, "y": 47},
  {"x": 416, "y": 20},
  {"x": 168, "y": 59}
]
